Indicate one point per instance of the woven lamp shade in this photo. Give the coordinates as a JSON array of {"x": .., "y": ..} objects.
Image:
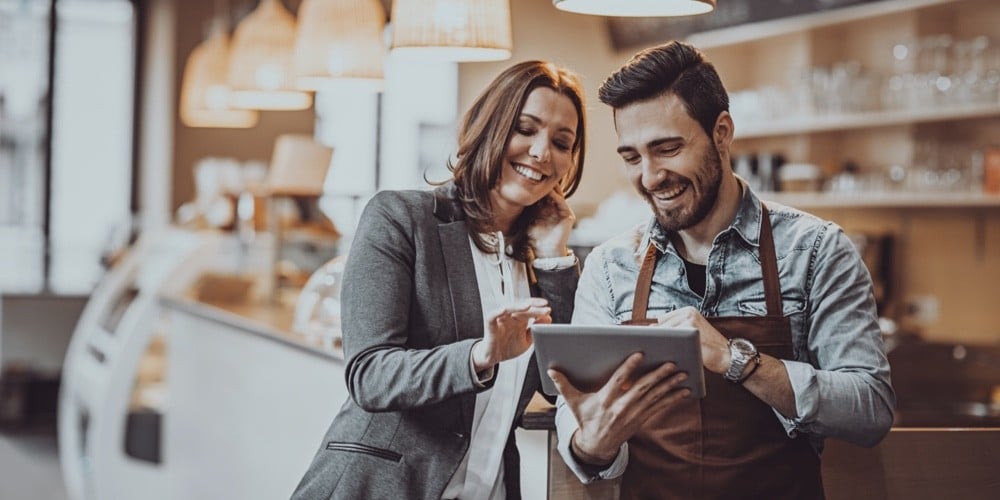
[
  {"x": 339, "y": 44},
  {"x": 452, "y": 30},
  {"x": 298, "y": 166},
  {"x": 260, "y": 61},
  {"x": 636, "y": 8},
  {"x": 205, "y": 94}
]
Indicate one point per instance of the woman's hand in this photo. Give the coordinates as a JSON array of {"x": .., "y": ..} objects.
[
  {"x": 553, "y": 223},
  {"x": 506, "y": 335}
]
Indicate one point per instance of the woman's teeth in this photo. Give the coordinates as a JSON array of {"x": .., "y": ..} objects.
[{"x": 529, "y": 173}]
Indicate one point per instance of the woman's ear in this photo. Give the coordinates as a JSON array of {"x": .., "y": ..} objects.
[{"x": 722, "y": 134}]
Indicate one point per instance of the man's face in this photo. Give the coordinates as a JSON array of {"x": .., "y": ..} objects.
[{"x": 669, "y": 159}]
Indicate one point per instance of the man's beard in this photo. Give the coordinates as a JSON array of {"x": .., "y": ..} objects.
[{"x": 705, "y": 186}]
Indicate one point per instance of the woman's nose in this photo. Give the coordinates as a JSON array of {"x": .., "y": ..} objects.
[{"x": 539, "y": 150}]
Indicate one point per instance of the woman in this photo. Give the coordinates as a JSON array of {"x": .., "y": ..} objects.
[{"x": 439, "y": 291}]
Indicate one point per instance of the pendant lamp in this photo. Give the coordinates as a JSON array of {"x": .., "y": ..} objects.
[
  {"x": 205, "y": 94},
  {"x": 260, "y": 61},
  {"x": 636, "y": 8},
  {"x": 452, "y": 30},
  {"x": 340, "y": 44}
]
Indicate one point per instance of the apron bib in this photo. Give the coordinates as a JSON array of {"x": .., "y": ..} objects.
[{"x": 728, "y": 444}]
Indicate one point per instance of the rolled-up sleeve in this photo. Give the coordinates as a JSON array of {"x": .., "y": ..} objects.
[
  {"x": 844, "y": 390},
  {"x": 566, "y": 425}
]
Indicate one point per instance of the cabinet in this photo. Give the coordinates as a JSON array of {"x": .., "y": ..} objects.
[{"x": 912, "y": 86}]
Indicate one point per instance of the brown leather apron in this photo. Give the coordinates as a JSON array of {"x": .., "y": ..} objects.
[{"x": 729, "y": 444}]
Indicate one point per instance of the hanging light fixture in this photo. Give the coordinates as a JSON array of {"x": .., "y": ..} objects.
[
  {"x": 205, "y": 94},
  {"x": 340, "y": 43},
  {"x": 260, "y": 62},
  {"x": 636, "y": 8},
  {"x": 452, "y": 30}
]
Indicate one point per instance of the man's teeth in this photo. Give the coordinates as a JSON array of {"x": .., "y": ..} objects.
[
  {"x": 673, "y": 193},
  {"x": 529, "y": 173}
]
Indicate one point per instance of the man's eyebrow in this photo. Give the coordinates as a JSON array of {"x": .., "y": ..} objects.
[{"x": 652, "y": 144}]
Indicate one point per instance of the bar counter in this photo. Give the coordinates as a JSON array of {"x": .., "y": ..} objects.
[{"x": 911, "y": 463}]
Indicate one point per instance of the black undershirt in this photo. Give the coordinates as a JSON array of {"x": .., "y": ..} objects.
[{"x": 696, "y": 277}]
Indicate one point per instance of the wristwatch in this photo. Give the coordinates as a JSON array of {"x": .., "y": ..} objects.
[{"x": 742, "y": 352}]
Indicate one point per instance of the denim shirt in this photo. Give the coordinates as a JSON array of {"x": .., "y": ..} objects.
[{"x": 840, "y": 374}]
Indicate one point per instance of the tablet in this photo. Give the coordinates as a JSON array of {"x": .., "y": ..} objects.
[{"x": 589, "y": 355}]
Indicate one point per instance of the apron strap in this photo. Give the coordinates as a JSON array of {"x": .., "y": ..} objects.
[
  {"x": 768, "y": 264},
  {"x": 644, "y": 284}
]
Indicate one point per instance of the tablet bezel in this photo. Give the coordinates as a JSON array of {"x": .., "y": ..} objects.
[{"x": 589, "y": 354}]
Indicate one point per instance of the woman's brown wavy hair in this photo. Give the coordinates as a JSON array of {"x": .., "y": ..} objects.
[{"x": 482, "y": 142}]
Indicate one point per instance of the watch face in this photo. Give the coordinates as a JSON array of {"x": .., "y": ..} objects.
[{"x": 744, "y": 347}]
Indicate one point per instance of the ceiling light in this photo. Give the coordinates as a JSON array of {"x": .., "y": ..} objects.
[
  {"x": 205, "y": 95},
  {"x": 340, "y": 43},
  {"x": 636, "y": 8},
  {"x": 260, "y": 61},
  {"x": 452, "y": 30}
]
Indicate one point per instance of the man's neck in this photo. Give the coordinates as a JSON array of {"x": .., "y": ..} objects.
[{"x": 695, "y": 243}]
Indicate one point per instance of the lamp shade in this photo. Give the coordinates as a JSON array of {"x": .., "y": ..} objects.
[
  {"x": 205, "y": 94},
  {"x": 636, "y": 8},
  {"x": 298, "y": 166},
  {"x": 260, "y": 61},
  {"x": 452, "y": 30},
  {"x": 340, "y": 43}
]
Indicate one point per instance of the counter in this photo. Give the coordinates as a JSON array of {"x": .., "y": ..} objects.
[
  {"x": 247, "y": 401},
  {"x": 914, "y": 463}
]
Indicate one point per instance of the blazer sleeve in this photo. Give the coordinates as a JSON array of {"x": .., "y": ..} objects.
[
  {"x": 559, "y": 288},
  {"x": 383, "y": 372}
]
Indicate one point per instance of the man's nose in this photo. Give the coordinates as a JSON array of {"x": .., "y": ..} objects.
[{"x": 652, "y": 175}]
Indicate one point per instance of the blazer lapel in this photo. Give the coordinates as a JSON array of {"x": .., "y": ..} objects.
[
  {"x": 462, "y": 283},
  {"x": 463, "y": 288}
]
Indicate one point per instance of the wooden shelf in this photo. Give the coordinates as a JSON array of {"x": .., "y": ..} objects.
[
  {"x": 807, "y": 201},
  {"x": 874, "y": 119},
  {"x": 766, "y": 29}
]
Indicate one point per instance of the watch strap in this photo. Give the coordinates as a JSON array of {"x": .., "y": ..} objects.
[{"x": 756, "y": 364}]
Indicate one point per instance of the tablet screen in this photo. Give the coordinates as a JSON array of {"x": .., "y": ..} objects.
[{"x": 589, "y": 354}]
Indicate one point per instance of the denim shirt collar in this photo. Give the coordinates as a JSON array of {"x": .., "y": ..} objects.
[{"x": 746, "y": 224}]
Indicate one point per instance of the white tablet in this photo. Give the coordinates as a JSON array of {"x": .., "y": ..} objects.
[{"x": 589, "y": 355}]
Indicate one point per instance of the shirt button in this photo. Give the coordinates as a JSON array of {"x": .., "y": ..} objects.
[{"x": 459, "y": 435}]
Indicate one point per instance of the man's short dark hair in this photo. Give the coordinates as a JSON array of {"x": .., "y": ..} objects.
[{"x": 672, "y": 67}]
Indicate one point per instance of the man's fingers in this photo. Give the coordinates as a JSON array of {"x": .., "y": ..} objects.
[
  {"x": 565, "y": 387},
  {"x": 656, "y": 376},
  {"x": 622, "y": 378}
]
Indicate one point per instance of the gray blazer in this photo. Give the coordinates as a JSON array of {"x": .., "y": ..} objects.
[{"x": 411, "y": 312}]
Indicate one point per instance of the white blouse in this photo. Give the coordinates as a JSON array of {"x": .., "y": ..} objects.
[{"x": 502, "y": 280}]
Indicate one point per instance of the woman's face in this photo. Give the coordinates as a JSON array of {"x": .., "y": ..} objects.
[{"x": 539, "y": 153}]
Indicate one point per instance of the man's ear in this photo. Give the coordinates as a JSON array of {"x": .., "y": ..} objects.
[{"x": 722, "y": 134}]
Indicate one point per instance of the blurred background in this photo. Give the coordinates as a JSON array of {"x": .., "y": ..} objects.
[{"x": 180, "y": 181}]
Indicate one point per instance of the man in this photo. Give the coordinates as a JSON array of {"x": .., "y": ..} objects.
[{"x": 784, "y": 306}]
